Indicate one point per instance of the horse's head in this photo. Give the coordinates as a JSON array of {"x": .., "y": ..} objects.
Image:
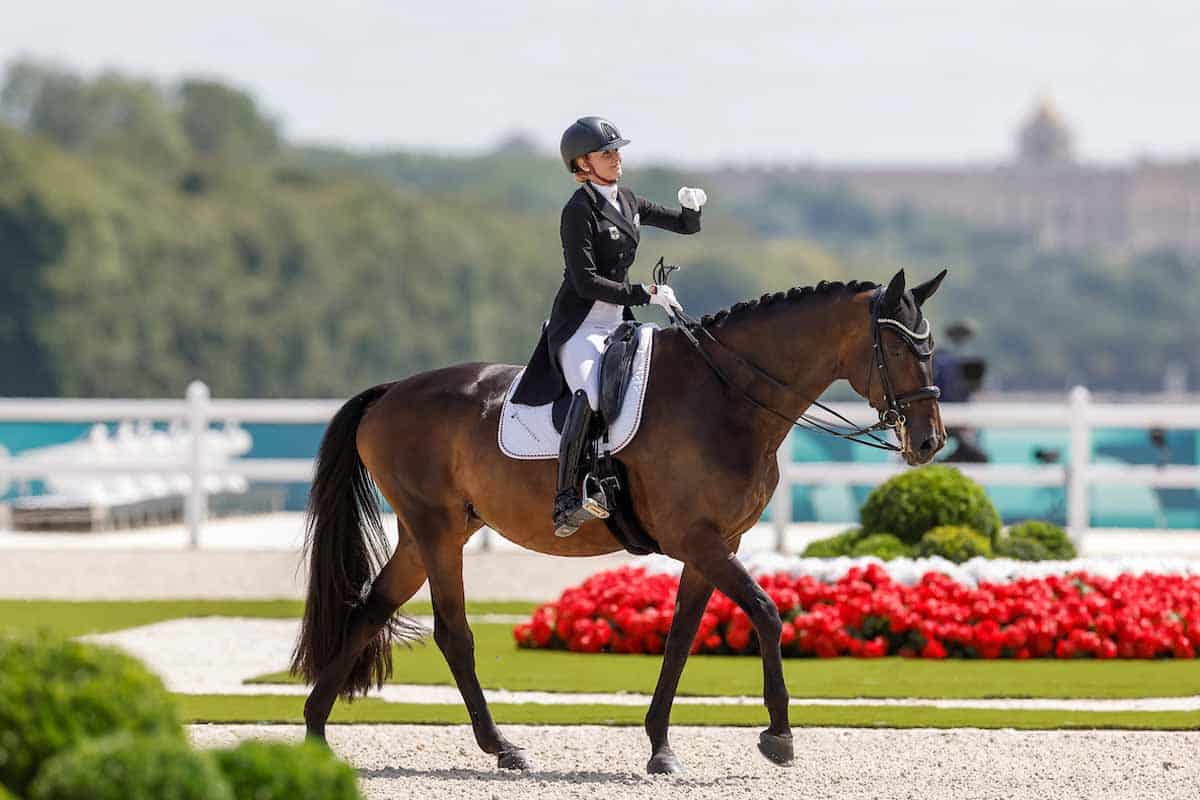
[{"x": 893, "y": 368}]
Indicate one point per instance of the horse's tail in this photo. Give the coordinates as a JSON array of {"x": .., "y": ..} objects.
[{"x": 346, "y": 547}]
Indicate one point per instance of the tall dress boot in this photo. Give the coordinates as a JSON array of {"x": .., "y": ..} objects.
[{"x": 571, "y": 507}]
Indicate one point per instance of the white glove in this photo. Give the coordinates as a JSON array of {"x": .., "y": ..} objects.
[
  {"x": 665, "y": 296},
  {"x": 692, "y": 198}
]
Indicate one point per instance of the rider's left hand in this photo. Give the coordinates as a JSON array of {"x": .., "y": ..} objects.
[{"x": 692, "y": 198}]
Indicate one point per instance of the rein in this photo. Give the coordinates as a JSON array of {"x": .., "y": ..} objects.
[{"x": 890, "y": 419}]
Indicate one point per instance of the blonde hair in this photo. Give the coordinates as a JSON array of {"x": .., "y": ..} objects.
[{"x": 582, "y": 174}]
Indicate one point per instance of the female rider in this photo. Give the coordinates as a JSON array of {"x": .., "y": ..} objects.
[{"x": 600, "y": 229}]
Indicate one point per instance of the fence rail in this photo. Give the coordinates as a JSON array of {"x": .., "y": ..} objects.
[{"x": 1079, "y": 416}]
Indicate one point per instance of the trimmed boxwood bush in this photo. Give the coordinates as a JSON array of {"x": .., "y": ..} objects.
[
  {"x": 1052, "y": 539},
  {"x": 956, "y": 543},
  {"x": 1021, "y": 549},
  {"x": 128, "y": 767},
  {"x": 881, "y": 545},
  {"x": 833, "y": 546},
  {"x": 277, "y": 771},
  {"x": 56, "y": 693},
  {"x": 918, "y": 500}
]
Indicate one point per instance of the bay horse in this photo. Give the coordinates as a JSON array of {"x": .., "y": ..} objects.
[{"x": 701, "y": 471}]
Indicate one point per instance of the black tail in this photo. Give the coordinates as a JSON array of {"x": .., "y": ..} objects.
[{"x": 346, "y": 548}]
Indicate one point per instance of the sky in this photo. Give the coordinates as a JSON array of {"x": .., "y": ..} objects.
[{"x": 846, "y": 82}]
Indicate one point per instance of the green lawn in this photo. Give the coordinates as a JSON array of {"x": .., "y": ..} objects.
[
  {"x": 79, "y": 618},
  {"x": 288, "y": 709},
  {"x": 502, "y": 666}
]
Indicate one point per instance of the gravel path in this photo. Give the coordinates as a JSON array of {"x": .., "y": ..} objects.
[
  {"x": 214, "y": 655},
  {"x": 409, "y": 761},
  {"x": 146, "y": 574}
]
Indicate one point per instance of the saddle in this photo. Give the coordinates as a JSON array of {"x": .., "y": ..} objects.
[
  {"x": 599, "y": 465},
  {"x": 616, "y": 369}
]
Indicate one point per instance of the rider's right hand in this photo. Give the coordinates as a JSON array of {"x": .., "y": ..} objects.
[{"x": 664, "y": 296}]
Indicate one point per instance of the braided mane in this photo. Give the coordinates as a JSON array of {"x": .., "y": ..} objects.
[{"x": 795, "y": 293}]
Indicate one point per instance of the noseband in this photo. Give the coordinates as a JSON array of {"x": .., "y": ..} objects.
[
  {"x": 920, "y": 343},
  {"x": 890, "y": 418}
]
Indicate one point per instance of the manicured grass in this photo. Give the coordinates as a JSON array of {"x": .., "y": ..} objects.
[
  {"x": 502, "y": 666},
  {"x": 288, "y": 709},
  {"x": 79, "y": 618}
]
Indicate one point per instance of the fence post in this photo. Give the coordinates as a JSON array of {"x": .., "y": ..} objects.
[
  {"x": 781, "y": 512},
  {"x": 196, "y": 503},
  {"x": 1078, "y": 516}
]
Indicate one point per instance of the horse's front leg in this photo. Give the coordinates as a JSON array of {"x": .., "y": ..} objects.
[
  {"x": 453, "y": 635},
  {"x": 709, "y": 554},
  {"x": 690, "y": 602}
]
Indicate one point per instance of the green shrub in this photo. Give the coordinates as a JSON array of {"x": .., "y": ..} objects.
[
  {"x": 55, "y": 693},
  {"x": 1021, "y": 549},
  {"x": 920, "y": 499},
  {"x": 956, "y": 543},
  {"x": 6, "y": 795},
  {"x": 833, "y": 546},
  {"x": 881, "y": 545},
  {"x": 1050, "y": 537},
  {"x": 128, "y": 767},
  {"x": 276, "y": 771}
]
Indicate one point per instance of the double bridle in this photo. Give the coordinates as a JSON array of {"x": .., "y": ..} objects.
[{"x": 891, "y": 418}]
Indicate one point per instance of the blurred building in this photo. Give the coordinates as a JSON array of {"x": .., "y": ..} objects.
[{"x": 1045, "y": 191}]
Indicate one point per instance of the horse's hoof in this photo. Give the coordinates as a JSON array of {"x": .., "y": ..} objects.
[
  {"x": 664, "y": 762},
  {"x": 777, "y": 749},
  {"x": 514, "y": 759},
  {"x": 316, "y": 736}
]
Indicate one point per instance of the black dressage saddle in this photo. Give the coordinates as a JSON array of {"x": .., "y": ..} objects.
[{"x": 616, "y": 369}]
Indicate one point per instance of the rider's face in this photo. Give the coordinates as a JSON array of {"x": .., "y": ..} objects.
[{"x": 605, "y": 166}]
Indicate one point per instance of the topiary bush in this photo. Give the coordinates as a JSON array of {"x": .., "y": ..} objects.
[
  {"x": 881, "y": 545},
  {"x": 956, "y": 543},
  {"x": 277, "y": 771},
  {"x": 56, "y": 693},
  {"x": 1031, "y": 534},
  {"x": 918, "y": 500},
  {"x": 128, "y": 767},
  {"x": 833, "y": 546}
]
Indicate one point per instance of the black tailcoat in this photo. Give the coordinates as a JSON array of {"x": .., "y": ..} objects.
[{"x": 599, "y": 245}]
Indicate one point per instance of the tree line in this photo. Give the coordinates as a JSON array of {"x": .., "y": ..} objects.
[{"x": 151, "y": 234}]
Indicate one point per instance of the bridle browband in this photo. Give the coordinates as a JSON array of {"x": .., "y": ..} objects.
[{"x": 891, "y": 418}]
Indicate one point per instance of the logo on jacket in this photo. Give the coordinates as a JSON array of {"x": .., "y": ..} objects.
[{"x": 613, "y": 232}]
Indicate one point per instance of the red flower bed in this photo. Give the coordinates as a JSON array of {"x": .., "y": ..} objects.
[{"x": 867, "y": 614}]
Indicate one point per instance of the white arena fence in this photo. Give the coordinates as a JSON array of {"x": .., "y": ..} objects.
[{"x": 195, "y": 471}]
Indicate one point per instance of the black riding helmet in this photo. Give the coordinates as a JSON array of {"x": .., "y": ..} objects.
[{"x": 588, "y": 135}]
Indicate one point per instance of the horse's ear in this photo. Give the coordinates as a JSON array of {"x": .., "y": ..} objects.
[
  {"x": 925, "y": 290},
  {"x": 891, "y": 297}
]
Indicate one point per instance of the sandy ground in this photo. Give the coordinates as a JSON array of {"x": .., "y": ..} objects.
[
  {"x": 407, "y": 761},
  {"x": 74, "y": 574}
]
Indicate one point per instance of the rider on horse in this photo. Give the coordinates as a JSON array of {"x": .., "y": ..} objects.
[{"x": 600, "y": 230}]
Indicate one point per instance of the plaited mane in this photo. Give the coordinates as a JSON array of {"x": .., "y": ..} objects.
[{"x": 795, "y": 293}]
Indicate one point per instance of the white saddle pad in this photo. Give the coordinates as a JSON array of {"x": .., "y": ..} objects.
[{"x": 527, "y": 432}]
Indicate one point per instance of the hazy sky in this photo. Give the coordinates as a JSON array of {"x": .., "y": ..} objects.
[{"x": 844, "y": 81}]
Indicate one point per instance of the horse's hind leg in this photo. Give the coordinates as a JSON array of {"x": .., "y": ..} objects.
[
  {"x": 443, "y": 556},
  {"x": 398, "y": 581}
]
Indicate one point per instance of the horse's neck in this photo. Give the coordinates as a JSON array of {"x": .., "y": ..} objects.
[{"x": 799, "y": 345}]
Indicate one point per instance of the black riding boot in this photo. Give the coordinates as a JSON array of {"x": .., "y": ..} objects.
[{"x": 570, "y": 509}]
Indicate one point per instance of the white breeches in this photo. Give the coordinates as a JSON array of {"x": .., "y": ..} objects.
[{"x": 580, "y": 355}]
